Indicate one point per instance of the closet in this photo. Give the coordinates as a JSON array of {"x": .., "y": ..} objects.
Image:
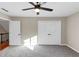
[{"x": 49, "y": 32}]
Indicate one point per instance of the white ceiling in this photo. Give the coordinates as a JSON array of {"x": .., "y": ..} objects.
[{"x": 61, "y": 9}]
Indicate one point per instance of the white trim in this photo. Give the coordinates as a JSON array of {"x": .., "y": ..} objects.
[
  {"x": 5, "y": 19},
  {"x": 72, "y": 48},
  {"x": 51, "y": 44}
]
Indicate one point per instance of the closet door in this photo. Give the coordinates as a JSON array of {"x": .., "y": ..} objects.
[
  {"x": 49, "y": 32},
  {"x": 15, "y": 33}
]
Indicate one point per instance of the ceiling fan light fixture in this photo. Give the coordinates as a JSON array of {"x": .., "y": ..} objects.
[
  {"x": 37, "y": 7},
  {"x": 37, "y": 10}
]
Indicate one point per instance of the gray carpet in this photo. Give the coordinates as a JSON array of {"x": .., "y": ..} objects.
[{"x": 39, "y": 51}]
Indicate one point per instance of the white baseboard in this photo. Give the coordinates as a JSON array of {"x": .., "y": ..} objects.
[
  {"x": 72, "y": 48},
  {"x": 52, "y": 44}
]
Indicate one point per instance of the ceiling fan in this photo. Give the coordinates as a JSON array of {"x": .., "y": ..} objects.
[{"x": 37, "y": 7}]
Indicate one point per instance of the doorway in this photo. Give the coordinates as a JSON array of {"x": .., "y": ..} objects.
[{"x": 4, "y": 34}]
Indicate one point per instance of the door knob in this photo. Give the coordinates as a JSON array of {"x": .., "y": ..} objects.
[{"x": 49, "y": 34}]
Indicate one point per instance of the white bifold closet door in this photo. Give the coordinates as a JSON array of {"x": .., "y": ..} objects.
[
  {"x": 49, "y": 32},
  {"x": 15, "y": 33}
]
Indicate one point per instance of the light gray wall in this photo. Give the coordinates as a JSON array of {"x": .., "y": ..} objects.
[
  {"x": 29, "y": 26},
  {"x": 73, "y": 31},
  {"x": 63, "y": 31}
]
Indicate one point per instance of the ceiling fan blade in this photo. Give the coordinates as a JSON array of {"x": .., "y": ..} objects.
[
  {"x": 32, "y": 3},
  {"x": 27, "y": 9},
  {"x": 42, "y": 3},
  {"x": 47, "y": 9}
]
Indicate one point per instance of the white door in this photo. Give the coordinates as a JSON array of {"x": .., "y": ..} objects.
[
  {"x": 14, "y": 33},
  {"x": 49, "y": 32}
]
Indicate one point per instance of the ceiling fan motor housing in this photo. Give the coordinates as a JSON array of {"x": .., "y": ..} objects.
[{"x": 37, "y": 6}]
